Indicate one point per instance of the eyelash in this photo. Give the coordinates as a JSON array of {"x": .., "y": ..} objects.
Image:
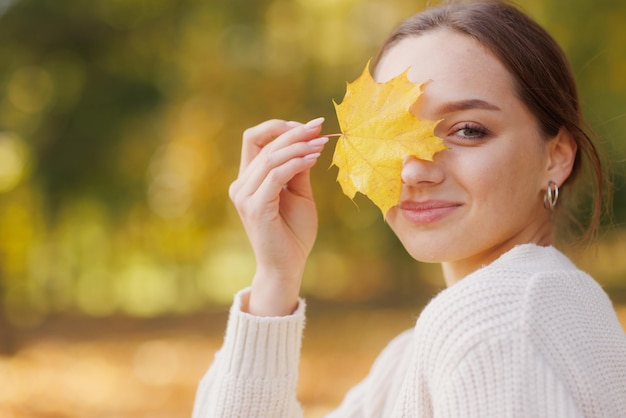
[{"x": 480, "y": 132}]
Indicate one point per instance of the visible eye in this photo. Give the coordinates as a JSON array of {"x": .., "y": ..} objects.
[{"x": 471, "y": 131}]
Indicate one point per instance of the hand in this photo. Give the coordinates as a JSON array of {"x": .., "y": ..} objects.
[{"x": 275, "y": 202}]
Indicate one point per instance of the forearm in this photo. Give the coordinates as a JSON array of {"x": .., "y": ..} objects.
[{"x": 255, "y": 373}]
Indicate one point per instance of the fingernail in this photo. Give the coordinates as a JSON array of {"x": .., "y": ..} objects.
[
  {"x": 293, "y": 124},
  {"x": 312, "y": 156},
  {"x": 314, "y": 123},
  {"x": 318, "y": 141}
]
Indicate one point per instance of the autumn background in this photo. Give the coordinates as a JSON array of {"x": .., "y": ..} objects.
[{"x": 120, "y": 125}]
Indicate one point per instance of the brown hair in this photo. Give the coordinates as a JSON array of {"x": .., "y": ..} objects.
[{"x": 543, "y": 78}]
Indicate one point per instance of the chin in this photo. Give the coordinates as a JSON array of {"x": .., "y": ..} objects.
[
  {"x": 427, "y": 246},
  {"x": 426, "y": 251}
]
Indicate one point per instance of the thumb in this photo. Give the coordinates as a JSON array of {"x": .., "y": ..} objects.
[{"x": 300, "y": 184}]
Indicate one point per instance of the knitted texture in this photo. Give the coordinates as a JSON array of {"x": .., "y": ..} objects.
[
  {"x": 529, "y": 335},
  {"x": 255, "y": 372}
]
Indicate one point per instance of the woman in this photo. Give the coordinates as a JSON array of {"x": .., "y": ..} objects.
[{"x": 519, "y": 331}]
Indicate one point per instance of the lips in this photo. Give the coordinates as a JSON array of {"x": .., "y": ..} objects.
[{"x": 426, "y": 212}]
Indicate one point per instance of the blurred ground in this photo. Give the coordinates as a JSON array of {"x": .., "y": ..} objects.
[{"x": 123, "y": 368}]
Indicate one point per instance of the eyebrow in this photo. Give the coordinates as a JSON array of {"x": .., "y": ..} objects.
[{"x": 465, "y": 105}]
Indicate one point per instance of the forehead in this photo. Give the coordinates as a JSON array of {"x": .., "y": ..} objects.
[{"x": 457, "y": 65}]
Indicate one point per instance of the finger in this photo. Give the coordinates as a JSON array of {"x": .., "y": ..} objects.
[
  {"x": 253, "y": 176},
  {"x": 266, "y": 196},
  {"x": 274, "y": 183},
  {"x": 257, "y": 137},
  {"x": 266, "y": 162},
  {"x": 297, "y": 142},
  {"x": 300, "y": 184}
]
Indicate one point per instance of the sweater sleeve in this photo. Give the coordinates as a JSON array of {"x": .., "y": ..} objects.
[
  {"x": 503, "y": 377},
  {"x": 255, "y": 373}
]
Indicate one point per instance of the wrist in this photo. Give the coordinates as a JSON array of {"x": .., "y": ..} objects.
[{"x": 273, "y": 297}]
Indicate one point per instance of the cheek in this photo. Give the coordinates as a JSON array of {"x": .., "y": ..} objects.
[
  {"x": 502, "y": 177},
  {"x": 479, "y": 171},
  {"x": 392, "y": 219}
]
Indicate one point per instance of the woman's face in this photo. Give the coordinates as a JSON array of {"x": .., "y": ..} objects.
[{"x": 483, "y": 195}]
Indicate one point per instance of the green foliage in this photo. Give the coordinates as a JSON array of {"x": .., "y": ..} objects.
[{"x": 120, "y": 123}]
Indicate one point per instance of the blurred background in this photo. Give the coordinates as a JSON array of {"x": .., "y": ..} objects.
[{"x": 120, "y": 127}]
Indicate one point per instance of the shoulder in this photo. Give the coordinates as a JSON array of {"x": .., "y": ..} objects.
[
  {"x": 505, "y": 297},
  {"x": 501, "y": 293},
  {"x": 492, "y": 298},
  {"x": 531, "y": 300}
]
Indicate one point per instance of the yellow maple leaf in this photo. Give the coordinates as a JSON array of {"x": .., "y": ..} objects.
[{"x": 378, "y": 132}]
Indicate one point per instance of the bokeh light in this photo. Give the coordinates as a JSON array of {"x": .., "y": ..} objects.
[
  {"x": 13, "y": 161},
  {"x": 30, "y": 89}
]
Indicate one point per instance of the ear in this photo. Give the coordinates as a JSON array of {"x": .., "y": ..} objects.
[{"x": 562, "y": 151}]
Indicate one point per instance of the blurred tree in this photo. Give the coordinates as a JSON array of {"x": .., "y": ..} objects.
[
  {"x": 120, "y": 123},
  {"x": 75, "y": 80}
]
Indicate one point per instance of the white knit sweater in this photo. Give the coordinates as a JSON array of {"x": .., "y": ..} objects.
[{"x": 529, "y": 335}]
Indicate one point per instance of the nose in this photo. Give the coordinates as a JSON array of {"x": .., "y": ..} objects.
[{"x": 416, "y": 172}]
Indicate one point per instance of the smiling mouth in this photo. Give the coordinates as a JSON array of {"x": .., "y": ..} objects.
[{"x": 426, "y": 212}]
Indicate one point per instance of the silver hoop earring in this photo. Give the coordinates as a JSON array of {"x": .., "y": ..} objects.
[{"x": 551, "y": 196}]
